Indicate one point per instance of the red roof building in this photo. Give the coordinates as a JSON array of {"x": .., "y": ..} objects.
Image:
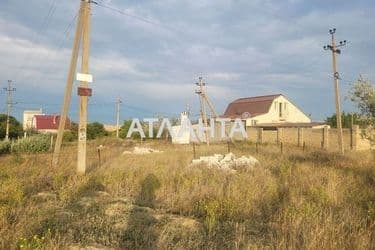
[
  {"x": 254, "y": 106},
  {"x": 270, "y": 110},
  {"x": 49, "y": 122}
]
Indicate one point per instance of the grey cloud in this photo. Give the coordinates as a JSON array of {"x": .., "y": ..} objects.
[{"x": 240, "y": 47}]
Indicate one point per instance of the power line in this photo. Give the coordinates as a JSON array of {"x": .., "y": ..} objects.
[
  {"x": 140, "y": 18},
  {"x": 36, "y": 36},
  {"x": 65, "y": 36}
]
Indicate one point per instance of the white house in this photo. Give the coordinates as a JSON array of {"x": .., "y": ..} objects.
[
  {"x": 272, "y": 110},
  {"x": 28, "y": 118}
]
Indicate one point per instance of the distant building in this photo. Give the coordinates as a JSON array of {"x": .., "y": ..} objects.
[
  {"x": 28, "y": 118},
  {"x": 268, "y": 111},
  {"x": 110, "y": 128},
  {"x": 49, "y": 123}
]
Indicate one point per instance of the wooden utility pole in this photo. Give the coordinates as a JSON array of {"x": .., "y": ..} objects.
[
  {"x": 10, "y": 103},
  {"x": 334, "y": 48},
  {"x": 118, "y": 116},
  {"x": 201, "y": 92},
  {"x": 82, "y": 33},
  {"x": 203, "y": 100}
]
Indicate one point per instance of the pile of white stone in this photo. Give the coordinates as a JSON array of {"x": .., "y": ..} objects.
[
  {"x": 142, "y": 151},
  {"x": 227, "y": 162}
]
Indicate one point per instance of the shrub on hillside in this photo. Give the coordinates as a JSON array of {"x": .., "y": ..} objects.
[
  {"x": 70, "y": 136},
  {"x": 5, "y": 147},
  {"x": 33, "y": 144}
]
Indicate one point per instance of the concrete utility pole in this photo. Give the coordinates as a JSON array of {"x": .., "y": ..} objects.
[
  {"x": 82, "y": 34},
  {"x": 118, "y": 116},
  {"x": 83, "y": 91},
  {"x": 10, "y": 103},
  {"x": 336, "y": 77},
  {"x": 203, "y": 100}
]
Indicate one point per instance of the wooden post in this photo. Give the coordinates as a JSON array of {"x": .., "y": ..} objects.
[
  {"x": 118, "y": 116},
  {"x": 281, "y": 148},
  {"x": 300, "y": 137},
  {"x": 304, "y": 146},
  {"x": 325, "y": 141},
  {"x": 354, "y": 137},
  {"x": 228, "y": 146},
  {"x": 99, "y": 149},
  {"x": 51, "y": 144},
  {"x": 260, "y": 135},
  {"x": 82, "y": 127},
  {"x": 194, "y": 153},
  {"x": 279, "y": 135},
  {"x": 69, "y": 86},
  {"x": 256, "y": 147}
]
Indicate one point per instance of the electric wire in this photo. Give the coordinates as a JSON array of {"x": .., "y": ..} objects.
[
  {"x": 20, "y": 72},
  {"x": 139, "y": 18}
]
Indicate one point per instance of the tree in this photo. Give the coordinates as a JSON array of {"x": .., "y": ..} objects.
[
  {"x": 125, "y": 128},
  {"x": 346, "y": 119},
  {"x": 15, "y": 127},
  {"x": 95, "y": 130},
  {"x": 145, "y": 127},
  {"x": 362, "y": 94}
]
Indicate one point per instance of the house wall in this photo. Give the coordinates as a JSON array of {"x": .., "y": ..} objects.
[
  {"x": 325, "y": 138},
  {"x": 28, "y": 118},
  {"x": 290, "y": 113},
  {"x": 110, "y": 128},
  {"x": 311, "y": 138}
]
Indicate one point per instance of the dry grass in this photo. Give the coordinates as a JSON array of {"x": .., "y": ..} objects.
[{"x": 311, "y": 199}]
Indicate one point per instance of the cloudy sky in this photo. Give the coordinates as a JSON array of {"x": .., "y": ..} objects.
[{"x": 152, "y": 56}]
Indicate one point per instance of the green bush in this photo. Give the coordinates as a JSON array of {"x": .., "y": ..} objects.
[
  {"x": 5, "y": 147},
  {"x": 33, "y": 144},
  {"x": 95, "y": 130},
  {"x": 70, "y": 136}
]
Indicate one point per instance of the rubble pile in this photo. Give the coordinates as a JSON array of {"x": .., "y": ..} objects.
[
  {"x": 142, "y": 151},
  {"x": 227, "y": 162}
]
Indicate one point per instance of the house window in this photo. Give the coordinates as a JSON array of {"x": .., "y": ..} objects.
[{"x": 280, "y": 109}]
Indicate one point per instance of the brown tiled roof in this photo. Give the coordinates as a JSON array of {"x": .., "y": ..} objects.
[{"x": 252, "y": 105}]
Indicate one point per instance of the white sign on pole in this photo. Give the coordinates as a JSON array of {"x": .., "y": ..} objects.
[{"x": 84, "y": 77}]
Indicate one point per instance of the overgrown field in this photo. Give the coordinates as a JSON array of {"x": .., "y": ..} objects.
[{"x": 294, "y": 200}]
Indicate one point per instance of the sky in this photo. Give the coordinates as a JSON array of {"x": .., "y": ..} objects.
[{"x": 153, "y": 53}]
